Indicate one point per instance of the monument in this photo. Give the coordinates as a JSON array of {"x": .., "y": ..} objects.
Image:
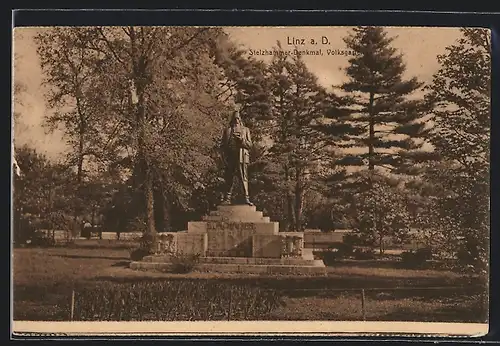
[
  {"x": 235, "y": 145},
  {"x": 236, "y": 237}
]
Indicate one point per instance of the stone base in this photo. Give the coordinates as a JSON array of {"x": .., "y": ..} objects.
[
  {"x": 242, "y": 261},
  {"x": 238, "y": 268},
  {"x": 237, "y": 239},
  {"x": 247, "y": 265}
]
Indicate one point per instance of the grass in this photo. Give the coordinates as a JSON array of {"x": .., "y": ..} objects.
[
  {"x": 347, "y": 306},
  {"x": 45, "y": 277}
]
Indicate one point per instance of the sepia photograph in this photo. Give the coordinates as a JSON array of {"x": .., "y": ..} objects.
[{"x": 291, "y": 179}]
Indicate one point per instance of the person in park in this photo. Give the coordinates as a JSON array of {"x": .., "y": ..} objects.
[{"x": 235, "y": 145}]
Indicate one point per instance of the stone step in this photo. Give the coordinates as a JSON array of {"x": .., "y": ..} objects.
[
  {"x": 242, "y": 218},
  {"x": 237, "y": 268},
  {"x": 243, "y": 261},
  {"x": 237, "y": 208},
  {"x": 228, "y": 214}
]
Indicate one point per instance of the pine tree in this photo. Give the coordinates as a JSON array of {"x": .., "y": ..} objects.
[
  {"x": 298, "y": 148},
  {"x": 384, "y": 114}
]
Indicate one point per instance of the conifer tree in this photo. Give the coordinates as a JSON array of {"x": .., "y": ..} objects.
[
  {"x": 297, "y": 146},
  {"x": 384, "y": 112}
]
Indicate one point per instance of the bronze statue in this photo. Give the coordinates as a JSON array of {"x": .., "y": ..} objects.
[{"x": 236, "y": 142}]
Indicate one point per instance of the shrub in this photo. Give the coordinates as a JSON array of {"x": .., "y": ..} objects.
[
  {"x": 146, "y": 245},
  {"x": 335, "y": 252},
  {"x": 345, "y": 250},
  {"x": 416, "y": 259},
  {"x": 139, "y": 254},
  {"x": 328, "y": 257},
  {"x": 148, "y": 241},
  {"x": 353, "y": 239},
  {"x": 424, "y": 254},
  {"x": 174, "y": 300},
  {"x": 364, "y": 254},
  {"x": 39, "y": 238},
  {"x": 183, "y": 263}
]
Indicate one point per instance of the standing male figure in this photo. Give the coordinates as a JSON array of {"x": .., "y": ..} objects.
[{"x": 236, "y": 142}]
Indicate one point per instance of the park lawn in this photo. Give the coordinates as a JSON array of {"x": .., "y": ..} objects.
[
  {"x": 348, "y": 306},
  {"x": 43, "y": 279}
]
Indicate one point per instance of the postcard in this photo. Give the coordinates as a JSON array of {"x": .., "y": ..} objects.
[{"x": 250, "y": 180}]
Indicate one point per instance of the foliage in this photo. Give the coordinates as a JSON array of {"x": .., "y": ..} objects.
[
  {"x": 75, "y": 92},
  {"x": 417, "y": 258},
  {"x": 148, "y": 241},
  {"x": 142, "y": 110},
  {"x": 336, "y": 252},
  {"x": 329, "y": 257},
  {"x": 139, "y": 253},
  {"x": 147, "y": 246},
  {"x": 174, "y": 301},
  {"x": 381, "y": 212},
  {"x": 244, "y": 83},
  {"x": 364, "y": 254},
  {"x": 297, "y": 146},
  {"x": 461, "y": 94},
  {"x": 183, "y": 263},
  {"x": 41, "y": 194},
  {"x": 140, "y": 94},
  {"x": 38, "y": 238},
  {"x": 381, "y": 104}
]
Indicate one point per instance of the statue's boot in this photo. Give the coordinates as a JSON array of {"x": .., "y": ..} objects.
[
  {"x": 247, "y": 201},
  {"x": 247, "y": 198}
]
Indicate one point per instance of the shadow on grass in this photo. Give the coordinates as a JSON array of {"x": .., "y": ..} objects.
[
  {"x": 90, "y": 257},
  {"x": 123, "y": 264},
  {"x": 104, "y": 247},
  {"x": 467, "y": 313}
]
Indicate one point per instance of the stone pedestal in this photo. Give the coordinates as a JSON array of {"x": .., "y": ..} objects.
[{"x": 237, "y": 237}]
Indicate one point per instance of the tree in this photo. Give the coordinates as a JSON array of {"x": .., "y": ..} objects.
[
  {"x": 381, "y": 212},
  {"x": 461, "y": 94},
  {"x": 382, "y": 105},
  {"x": 75, "y": 92},
  {"x": 41, "y": 194},
  {"x": 154, "y": 86},
  {"x": 297, "y": 146},
  {"x": 245, "y": 85}
]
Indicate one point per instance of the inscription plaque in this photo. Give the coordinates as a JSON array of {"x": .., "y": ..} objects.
[{"x": 234, "y": 226}]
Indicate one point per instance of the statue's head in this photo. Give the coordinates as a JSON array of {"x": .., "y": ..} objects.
[{"x": 236, "y": 119}]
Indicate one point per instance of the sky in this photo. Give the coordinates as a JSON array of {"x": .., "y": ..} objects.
[{"x": 420, "y": 47}]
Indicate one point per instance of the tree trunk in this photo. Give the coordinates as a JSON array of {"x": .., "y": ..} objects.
[
  {"x": 139, "y": 73},
  {"x": 371, "y": 138},
  {"x": 381, "y": 243},
  {"x": 147, "y": 185},
  {"x": 79, "y": 173},
  {"x": 81, "y": 157},
  {"x": 299, "y": 206},
  {"x": 291, "y": 212},
  {"x": 150, "y": 215},
  {"x": 299, "y": 201}
]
